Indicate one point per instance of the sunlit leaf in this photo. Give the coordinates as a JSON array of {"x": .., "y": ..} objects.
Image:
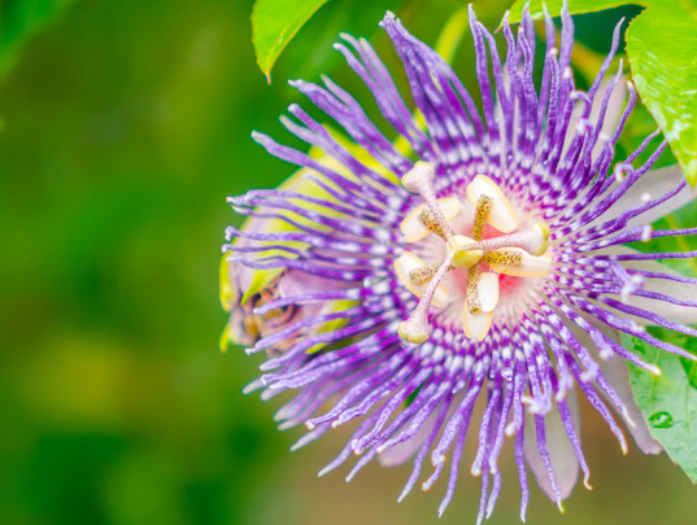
[
  {"x": 662, "y": 47},
  {"x": 575, "y": 7},
  {"x": 668, "y": 401},
  {"x": 274, "y": 24},
  {"x": 332, "y": 307}
]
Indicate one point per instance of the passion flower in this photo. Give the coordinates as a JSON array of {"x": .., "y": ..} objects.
[{"x": 397, "y": 287}]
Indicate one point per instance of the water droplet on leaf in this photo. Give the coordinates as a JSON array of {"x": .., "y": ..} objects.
[{"x": 661, "y": 420}]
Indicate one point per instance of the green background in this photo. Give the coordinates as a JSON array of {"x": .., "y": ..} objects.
[{"x": 125, "y": 124}]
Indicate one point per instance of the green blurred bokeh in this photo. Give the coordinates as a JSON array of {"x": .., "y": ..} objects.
[{"x": 125, "y": 125}]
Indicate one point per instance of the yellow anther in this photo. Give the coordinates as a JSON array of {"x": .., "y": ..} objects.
[
  {"x": 403, "y": 267},
  {"x": 510, "y": 257},
  {"x": 519, "y": 263},
  {"x": 473, "y": 304},
  {"x": 488, "y": 291},
  {"x": 423, "y": 274},
  {"x": 481, "y": 215},
  {"x": 420, "y": 222},
  {"x": 428, "y": 220},
  {"x": 501, "y": 216},
  {"x": 420, "y": 180}
]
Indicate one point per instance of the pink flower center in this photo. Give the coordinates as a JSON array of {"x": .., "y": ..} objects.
[{"x": 468, "y": 275}]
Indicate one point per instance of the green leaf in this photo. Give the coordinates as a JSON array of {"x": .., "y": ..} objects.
[
  {"x": 664, "y": 71},
  {"x": 668, "y": 401},
  {"x": 575, "y": 7},
  {"x": 274, "y": 24},
  {"x": 20, "y": 21},
  {"x": 674, "y": 392}
]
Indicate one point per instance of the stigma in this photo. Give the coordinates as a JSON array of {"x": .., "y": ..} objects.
[{"x": 461, "y": 245}]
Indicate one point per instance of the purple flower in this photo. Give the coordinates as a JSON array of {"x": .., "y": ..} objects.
[{"x": 497, "y": 267}]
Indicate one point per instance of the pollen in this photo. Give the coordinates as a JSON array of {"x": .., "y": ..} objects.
[{"x": 472, "y": 264}]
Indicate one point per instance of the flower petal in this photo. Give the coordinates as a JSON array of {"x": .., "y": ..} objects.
[
  {"x": 617, "y": 375},
  {"x": 402, "y": 452},
  {"x": 655, "y": 184},
  {"x": 681, "y": 291},
  {"x": 565, "y": 464},
  {"x": 615, "y": 107}
]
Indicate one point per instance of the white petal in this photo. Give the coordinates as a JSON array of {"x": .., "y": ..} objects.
[
  {"x": 476, "y": 326},
  {"x": 488, "y": 291},
  {"x": 654, "y": 184},
  {"x": 401, "y": 453},
  {"x": 615, "y": 371},
  {"x": 617, "y": 375},
  {"x": 682, "y": 291},
  {"x": 614, "y": 110},
  {"x": 565, "y": 464}
]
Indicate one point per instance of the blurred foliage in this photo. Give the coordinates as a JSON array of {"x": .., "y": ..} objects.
[
  {"x": 20, "y": 20},
  {"x": 125, "y": 126}
]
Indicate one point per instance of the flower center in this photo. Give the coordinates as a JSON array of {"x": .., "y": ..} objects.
[{"x": 465, "y": 273}]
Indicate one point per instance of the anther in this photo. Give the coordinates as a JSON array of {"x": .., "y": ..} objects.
[
  {"x": 476, "y": 325},
  {"x": 420, "y": 180},
  {"x": 416, "y": 328},
  {"x": 405, "y": 265},
  {"x": 420, "y": 222},
  {"x": 518, "y": 263},
  {"x": 501, "y": 215},
  {"x": 473, "y": 304},
  {"x": 421, "y": 275},
  {"x": 481, "y": 215}
]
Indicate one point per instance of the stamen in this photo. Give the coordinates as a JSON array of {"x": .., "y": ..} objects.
[
  {"x": 419, "y": 223},
  {"x": 473, "y": 304},
  {"x": 423, "y": 274},
  {"x": 482, "y": 290},
  {"x": 407, "y": 263},
  {"x": 416, "y": 328},
  {"x": 420, "y": 180},
  {"x": 428, "y": 220},
  {"x": 501, "y": 216},
  {"x": 483, "y": 209},
  {"x": 488, "y": 291},
  {"x": 518, "y": 263}
]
